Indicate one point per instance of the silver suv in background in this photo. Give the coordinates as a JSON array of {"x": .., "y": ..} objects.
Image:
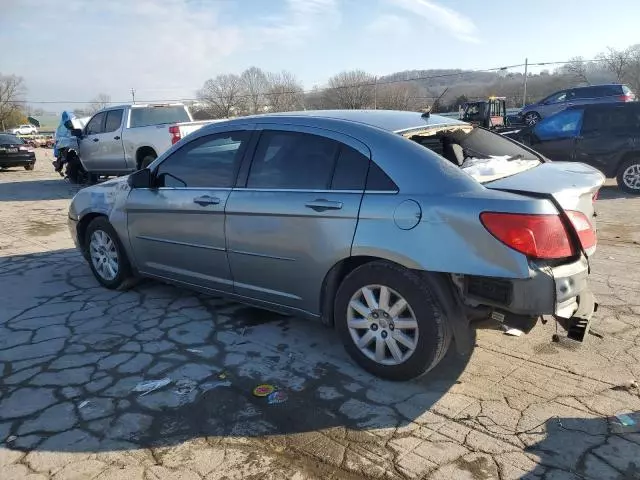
[{"x": 532, "y": 114}]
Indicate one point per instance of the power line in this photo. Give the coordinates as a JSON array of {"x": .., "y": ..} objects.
[{"x": 372, "y": 83}]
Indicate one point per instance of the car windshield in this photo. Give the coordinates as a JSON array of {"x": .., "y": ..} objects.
[
  {"x": 10, "y": 140},
  {"x": 158, "y": 115}
]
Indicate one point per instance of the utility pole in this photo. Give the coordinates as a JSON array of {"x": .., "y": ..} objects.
[
  {"x": 524, "y": 95},
  {"x": 133, "y": 95}
]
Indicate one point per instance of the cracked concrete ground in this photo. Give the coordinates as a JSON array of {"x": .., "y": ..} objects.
[{"x": 71, "y": 354}]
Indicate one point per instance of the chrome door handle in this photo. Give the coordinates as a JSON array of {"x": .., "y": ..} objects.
[
  {"x": 206, "y": 200},
  {"x": 321, "y": 205}
]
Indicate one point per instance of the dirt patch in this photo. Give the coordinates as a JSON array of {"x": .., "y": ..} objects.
[{"x": 38, "y": 228}]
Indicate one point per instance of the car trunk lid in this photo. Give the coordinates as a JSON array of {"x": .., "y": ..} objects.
[{"x": 571, "y": 186}]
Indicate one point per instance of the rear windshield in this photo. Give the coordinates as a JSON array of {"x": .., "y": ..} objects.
[
  {"x": 484, "y": 155},
  {"x": 10, "y": 139},
  {"x": 144, "y": 116}
]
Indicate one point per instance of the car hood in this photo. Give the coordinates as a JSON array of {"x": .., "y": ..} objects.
[{"x": 101, "y": 198}]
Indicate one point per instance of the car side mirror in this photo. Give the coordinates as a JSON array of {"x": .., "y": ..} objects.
[
  {"x": 76, "y": 132},
  {"x": 140, "y": 179}
]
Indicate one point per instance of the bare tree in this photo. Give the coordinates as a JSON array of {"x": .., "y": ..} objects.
[
  {"x": 578, "y": 69},
  {"x": 254, "y": 82},
  {"x": 352, "y": 89},
  {"x": 12, "y": 89},
  {"x": 284, "y": 93},
  {"x": 398, "y": 96},
  {"x": 617, "y": 62},
  {"x": 633, "y": 77},
  {"x": 223, "y": 95},
  {"x": 100, "y": 101}
]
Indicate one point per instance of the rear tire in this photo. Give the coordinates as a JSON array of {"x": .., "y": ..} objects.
[
  {"x": 106, "y": 255},
  {"x": 628, "y": 177},
  {"x": 531, "y": 118},
  {"x": 147, "y": 160},
  {"x": 387, "y": 349},
  {"x": 30, "y": 166}
]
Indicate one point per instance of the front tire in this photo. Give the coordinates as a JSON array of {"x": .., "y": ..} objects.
[
  {"x": 147, "y": 160},
  {"x": 531, "y": 118},
  {"x": 390, "y": 321},
  {"x": 106, "y": 255},
  {"x": 31, "y": 166},
  {"x": 628, "y": 177}
]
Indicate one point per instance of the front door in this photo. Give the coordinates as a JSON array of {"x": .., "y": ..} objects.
[
  {"x": 555, "y": 137},
  {"x": 295, "y": 215},
  {"x": 101, "y": 147},
  {"x": 177, "y": 229}
]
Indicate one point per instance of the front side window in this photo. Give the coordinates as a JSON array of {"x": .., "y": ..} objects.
[
  {"x": 563, "y": 125},
  {"x": 114, "y": 120},
  {"x": 556, "y": 98},
  {"x": 207, "y": 162},
  {"x": 95, "y": 124},
  {"x": 293, "y": 160}
]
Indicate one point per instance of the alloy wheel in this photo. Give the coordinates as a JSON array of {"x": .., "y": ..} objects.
[
  {"x": 104, "y": 255},
  {"x": 382, "y": 325},
  {"x": 631, "y": 176}
]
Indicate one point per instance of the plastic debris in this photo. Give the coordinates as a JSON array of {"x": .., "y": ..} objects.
[
  {"x": 223, "y": 375},
  {"x": 151, "y": 386},
  {"x": 194, "y": 350},
  {"x": 277, "y": 397},
  {"x": 625, "y": 419},
  {"x": 264, "y": 390},
  {"x": 11, "y": 438},
  {"x": 514, "y": 332},
  {"x": 84, "y": 404},
  {"x": 185, "y": 387},
  {"x": 212, "y": 385},
  {"x": 488, "y": 169}
]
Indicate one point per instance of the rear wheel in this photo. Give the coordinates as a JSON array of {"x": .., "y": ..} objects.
[
  {"x": 31, "y": 166},
  {"x": 628, "y": 177},
  {"x": 107, "y": 258},
  {"x": 531, "y": 118},
  {"x": 390, "y": 321}
]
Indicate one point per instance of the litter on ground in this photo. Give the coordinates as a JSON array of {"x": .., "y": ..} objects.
[
  {"x": 151, "y": 385},
  {"x": 263, "y": 390},
  {"x": 277, "y": 398}
]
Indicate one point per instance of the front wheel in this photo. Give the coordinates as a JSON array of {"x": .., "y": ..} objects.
[
  {"x": 31, "y": 166},
  {"x": 531, "y": 118},
  {"x": 628, "y": 177},
  {"x": 390, "y": 321},
  {"x": 147, "y": 160},
  {"x": 107, "y": 258}
]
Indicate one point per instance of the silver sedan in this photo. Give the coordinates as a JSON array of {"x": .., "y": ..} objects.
[{"x": 397, "y": 228}]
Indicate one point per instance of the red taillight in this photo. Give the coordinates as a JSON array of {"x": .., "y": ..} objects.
[
  {"x": 537, "y": 236},
  {"x": 174, "y": 130},
  {"x": 627, "y": 98},
  {"x": 584, "y": 229}
]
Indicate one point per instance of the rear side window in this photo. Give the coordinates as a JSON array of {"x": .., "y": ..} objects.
[
  {"x": 293, "y": 160},
  {"x": 619, "y": 118},
  {"x": 379, "y": 181},
  {"x": 598, "y": 91},
  {"x": 114, "y": 120},
  {"x": 159, "y": 115},
  {"x": 95, "y": 124},
  {"x": 207, "y": 162},
  {"x": 351, "y": 170}
]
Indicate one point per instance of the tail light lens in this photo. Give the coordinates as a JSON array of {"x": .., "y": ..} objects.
[
  {"x": 537, "y": 236},
  {"x": 627, "y": 98},
  {"x": 584, "y": 229},
  {"x": 174, "y": 130}
]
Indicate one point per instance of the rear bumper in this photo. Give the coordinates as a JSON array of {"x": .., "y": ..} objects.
[
  {"x": 561, "y": 291},
  {"x": 17, "y": 161}
]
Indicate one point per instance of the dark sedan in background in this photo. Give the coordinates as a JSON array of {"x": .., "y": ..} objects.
[
  {"x": 15, "y": 153},
  {"x": 605, "y": 136}
]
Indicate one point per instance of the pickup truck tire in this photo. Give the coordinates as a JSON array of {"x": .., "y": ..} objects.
[
  {"x": 147, "y": 160},
  {"x": 392, "y": 342},
  {"x": 107, "y": 257},
  {"x": 628, "y": 177}
]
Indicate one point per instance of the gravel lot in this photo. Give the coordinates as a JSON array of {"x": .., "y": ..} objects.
[{"x": 71, "y": 354}]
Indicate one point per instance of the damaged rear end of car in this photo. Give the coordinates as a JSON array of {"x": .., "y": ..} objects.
[{"x": 553, "y": 232}]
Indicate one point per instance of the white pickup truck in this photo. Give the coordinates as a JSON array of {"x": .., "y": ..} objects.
[{"x": 121, "y": 139}]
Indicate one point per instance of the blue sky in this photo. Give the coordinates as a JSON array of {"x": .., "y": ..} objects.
[{"x": 166, "y": 49}]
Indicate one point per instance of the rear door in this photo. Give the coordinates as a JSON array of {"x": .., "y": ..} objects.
[
  {"x": 608, "y": 132},
  {"x": 294, "y": 214},
  {"x": 555, "y": 137}
]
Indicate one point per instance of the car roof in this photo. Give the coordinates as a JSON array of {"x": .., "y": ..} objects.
[
  {"x": 605, "y": 105},
  {"x": 391, "y": 120}
]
